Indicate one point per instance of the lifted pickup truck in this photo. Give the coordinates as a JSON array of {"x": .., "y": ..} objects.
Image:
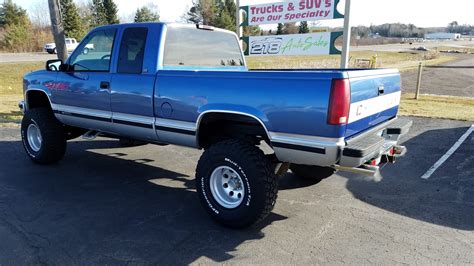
[{"x": 189, "y": 85}]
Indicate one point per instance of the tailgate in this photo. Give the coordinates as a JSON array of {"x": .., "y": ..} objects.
[{"x": 375, "y": 96}]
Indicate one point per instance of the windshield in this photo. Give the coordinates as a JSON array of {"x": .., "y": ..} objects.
[{"x": 188, "y": 46}]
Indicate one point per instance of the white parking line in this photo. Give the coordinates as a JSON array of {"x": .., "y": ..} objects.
[{"x": 448, "y": 153}]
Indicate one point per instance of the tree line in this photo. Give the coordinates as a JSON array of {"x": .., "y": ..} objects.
[
  {"x": 22, "y": 33},
  {"x": 455, "y": 27}
]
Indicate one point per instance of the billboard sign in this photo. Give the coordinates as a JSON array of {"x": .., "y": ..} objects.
[
  {"x": 295, "y": 44},
  {"x": 291, "y": 11}
]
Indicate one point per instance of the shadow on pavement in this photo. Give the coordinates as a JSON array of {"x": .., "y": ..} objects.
[
  {"x": 102, "y": 209},
  {"x": 447, "y": 198}
]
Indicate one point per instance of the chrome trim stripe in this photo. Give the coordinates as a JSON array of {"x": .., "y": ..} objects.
[
  {"x": 103, "y": 119},
  {"x": 169, "y": 123},
  {"x": 133, "y": 120},
  {"x": 305, "y": 140},
  {"x": 65, "y": 109},
  {"x": 176, "y": 130}
]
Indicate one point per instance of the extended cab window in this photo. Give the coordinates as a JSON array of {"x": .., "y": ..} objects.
[
  {"x": 132, "y": 49},
  {"x": 95, "y": 52},
  {"x": 186, "y": 46}
]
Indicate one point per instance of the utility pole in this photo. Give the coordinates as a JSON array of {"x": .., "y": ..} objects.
[
  {"x": 58, "y": 29},
  {"x": 347, "y": 36},
  {"x": 238, "y": 20}
]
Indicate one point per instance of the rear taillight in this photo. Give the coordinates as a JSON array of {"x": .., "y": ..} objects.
[{"x": 339, "y": 103}]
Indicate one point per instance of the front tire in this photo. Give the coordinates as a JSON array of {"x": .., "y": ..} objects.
[
  {"x": 43, "y": 137},
  {"x": 235, "y": 183}
]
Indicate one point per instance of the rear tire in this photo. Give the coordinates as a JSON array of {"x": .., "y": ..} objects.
[
  {"x": 311, "y": 172},
  {"x": 235, "y": 183},
  {"x": 43, "y": 136}
]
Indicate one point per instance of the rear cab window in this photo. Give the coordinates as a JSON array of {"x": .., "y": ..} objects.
[
  {"x": 187, "y": 47},
  {"x": 132, "y": 50}
]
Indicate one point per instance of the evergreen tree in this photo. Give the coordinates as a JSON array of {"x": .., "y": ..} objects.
[
  {"x": 103, "y": 12},
  {"x": 145, "y": 14},
  {"x": 279, "y": 29},
  {"x": 202, "y": 12},
  {"x": 12, "y": 14},
  {"x": 225, "y": 15},
  {"x": 111, "y": 10},
  {"x": 73, "y": 27},
  {"x": 17, "y": 25},
  {"x": 217, "y": 13},
  {"x": 303, "y": 27},
  {"x": 97, "y": 13}
]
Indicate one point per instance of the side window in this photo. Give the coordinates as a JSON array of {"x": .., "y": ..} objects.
[
  {"x": 94, "y": 53},
  {"x": 132, "y": 49}
]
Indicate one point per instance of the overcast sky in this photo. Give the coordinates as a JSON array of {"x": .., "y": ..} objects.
[{"x": 423, "y": 13}]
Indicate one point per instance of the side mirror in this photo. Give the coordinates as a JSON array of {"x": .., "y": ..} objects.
[{"x": 54, "y": 65}]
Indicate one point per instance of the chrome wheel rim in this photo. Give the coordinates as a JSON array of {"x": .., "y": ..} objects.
[
  {"x": 34, "y": 137},
  {"x": 227, "y": 187}
]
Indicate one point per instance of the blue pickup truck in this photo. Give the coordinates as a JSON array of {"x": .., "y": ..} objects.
[{"x": 189, "y": 85}]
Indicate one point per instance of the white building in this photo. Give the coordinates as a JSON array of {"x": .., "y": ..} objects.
[{"x": 442, "y": 36}]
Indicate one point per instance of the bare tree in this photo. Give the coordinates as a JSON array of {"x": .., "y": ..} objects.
[{"x": 39, "y": 14}]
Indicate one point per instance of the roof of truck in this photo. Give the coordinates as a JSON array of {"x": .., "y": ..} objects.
[{"x": 173, "y": 24}]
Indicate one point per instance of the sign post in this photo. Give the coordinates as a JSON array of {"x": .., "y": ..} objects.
[{"x": 347, "y": 36}]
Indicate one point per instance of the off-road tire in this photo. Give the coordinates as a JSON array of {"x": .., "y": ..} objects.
[
  {"x": 311, "y": 172},
  {"x": 53, "y": 145},
  {"x": 255, "y": 169}
]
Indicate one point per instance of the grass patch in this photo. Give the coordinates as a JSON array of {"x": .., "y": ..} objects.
[
  {"x": 11, "y": 76},
  {"x": 401, "y": 60},
  {"x": 9, "y": 111},
  {"x": 11, "y": 89},
  {"x": 448, "y": 107}
]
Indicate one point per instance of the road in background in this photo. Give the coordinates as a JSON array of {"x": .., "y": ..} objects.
[
  {"x": 26, "y": 57},
  {"x": 108, "y": 205},
  {"x": 455, "y": 78},
  {"x": 400, "y": 47}
]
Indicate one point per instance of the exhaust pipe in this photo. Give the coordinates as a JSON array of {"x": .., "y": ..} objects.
[{"x": 369, "y": 170}]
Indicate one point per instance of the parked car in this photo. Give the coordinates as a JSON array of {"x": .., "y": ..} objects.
[
  {"x": 189, "y": 85},
  {"x": 71, "y": 44}
]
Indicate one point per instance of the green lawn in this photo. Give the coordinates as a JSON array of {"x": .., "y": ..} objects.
[
  {"x": 401, "y": 60},
  {"x": 11, "y": 89},
  {"x": 449, "y": 107}
]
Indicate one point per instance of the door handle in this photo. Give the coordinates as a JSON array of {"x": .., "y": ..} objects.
[
  {"x": 104, "y": 85},
  {"x": 381, "y": 89}
]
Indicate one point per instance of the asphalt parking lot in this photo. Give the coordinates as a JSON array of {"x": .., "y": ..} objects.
[
  {"x": 439, "y": 79},
  {"x": 108, "y": 205}
]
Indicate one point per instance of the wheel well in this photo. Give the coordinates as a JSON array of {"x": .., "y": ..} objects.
[
  {"x": 37, "y": 99},
  {"x": 214, "y": 127}
]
